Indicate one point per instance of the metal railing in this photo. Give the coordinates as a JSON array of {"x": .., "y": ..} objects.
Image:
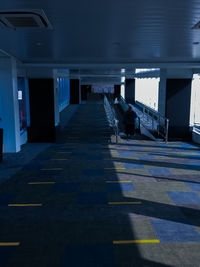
[
  {"x": 111, "y": 116},
  {"x": 196, "y": 128},
  {"x": 158, "y": 122}
]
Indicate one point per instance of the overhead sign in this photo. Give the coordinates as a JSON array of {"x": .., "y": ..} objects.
[{"x": 102, "y": 88}]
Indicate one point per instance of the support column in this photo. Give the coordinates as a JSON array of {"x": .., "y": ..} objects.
[
  {"x": 42, "y": 113},
  {"x": 178, "y": 108},
  {"x": 117, "y": 90},
  {"x": 75, "y": 91},
  {"x": 130, "y": 91},
  {"x": 84, "y": 91},
  {"x": 9, "y": 105}
]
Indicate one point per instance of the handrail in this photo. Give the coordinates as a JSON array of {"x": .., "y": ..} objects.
[
  {"x": 196, "y": 124},
  {"x": 196, "y": 127},
  {"x": 110, "y": 113},
  {"x": 159, "y": 122}
]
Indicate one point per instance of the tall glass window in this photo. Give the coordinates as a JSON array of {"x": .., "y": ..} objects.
[
  {"x": 123, "y": 90},
  {"x": 146, "y": 91}
]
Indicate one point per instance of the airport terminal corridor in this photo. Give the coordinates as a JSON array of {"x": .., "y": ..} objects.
[{"x": 87, "y": 201}]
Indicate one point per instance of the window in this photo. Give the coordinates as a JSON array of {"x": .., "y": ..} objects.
[
  {"x": 195, "y": 101},
  {"x": 146, "y": 91}
]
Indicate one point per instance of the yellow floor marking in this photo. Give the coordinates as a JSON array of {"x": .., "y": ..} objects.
[
  {"x": 117, "y": 168},
  {"x": 41, "y": 183},
  {"x": 135, "y": 241},
  {"x": 8, "y": 244},
  {"x": 24, "y": 205},
  {"x": 62, "y": 152},
  {"x": 59, "y": 159},
  {"x": 124, "y": 203},
  {"x": 110, "y": 153},
  {"x": 118, "y": 181},
  {"x": 52, "y": 169}
]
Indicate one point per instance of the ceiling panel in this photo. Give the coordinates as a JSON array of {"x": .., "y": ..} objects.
[{"x": 107, "y": 31}]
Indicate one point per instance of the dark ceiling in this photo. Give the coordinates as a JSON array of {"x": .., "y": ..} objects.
[{"x": 106, "y": 31}]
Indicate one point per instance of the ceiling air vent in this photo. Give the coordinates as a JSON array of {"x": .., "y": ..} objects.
[{"x": 25, "y": 19}]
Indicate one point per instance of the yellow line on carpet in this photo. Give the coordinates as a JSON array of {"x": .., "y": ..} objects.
[
  {"x": 121, "y": 242},
  {"x": 59, "y": 159},
  {"x": 120, "y": 168},
  {"x": 124, "y": 203},
  {"x": 24, "y": 205},
  {"x": 118, "y": 182},
  {"x": 41, "y": 182},
  {"x": 51, "y": 169},
  {"x": 63, "y": 152},
  {"x": 9, "y": 244}
]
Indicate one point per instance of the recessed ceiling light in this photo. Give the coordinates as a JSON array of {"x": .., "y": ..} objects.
[
  {"x": 39, "y": 44},
  {"x": 116, "y": 43}
]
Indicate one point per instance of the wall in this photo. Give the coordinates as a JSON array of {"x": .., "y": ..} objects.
[{"x": 174, "y": 73}]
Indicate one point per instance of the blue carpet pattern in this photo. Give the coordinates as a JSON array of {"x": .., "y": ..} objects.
[{"x": 86, "y": 201}]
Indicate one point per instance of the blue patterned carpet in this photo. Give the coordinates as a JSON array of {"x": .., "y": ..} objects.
[{"x": 86, "y": 201}]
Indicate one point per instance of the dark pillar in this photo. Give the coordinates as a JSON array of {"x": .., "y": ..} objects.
[
  {"x": 117, "y": 90},
  {"x": 89, "y": 90},
  {"x": 130, "y": 91},
  {"x": 1, "y": 144},
  {"x": 74, "y": 91},
  {"x": 42, "y": 122},
  {"x": 85, "y": 89},
  {"x": 178, "y": 108}
]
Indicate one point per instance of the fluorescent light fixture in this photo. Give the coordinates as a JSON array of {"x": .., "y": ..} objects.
[
  {"x": 123, "y": 91},
  {"x": 146, "y": 70},
  {"x": 39, "y": 44}
]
